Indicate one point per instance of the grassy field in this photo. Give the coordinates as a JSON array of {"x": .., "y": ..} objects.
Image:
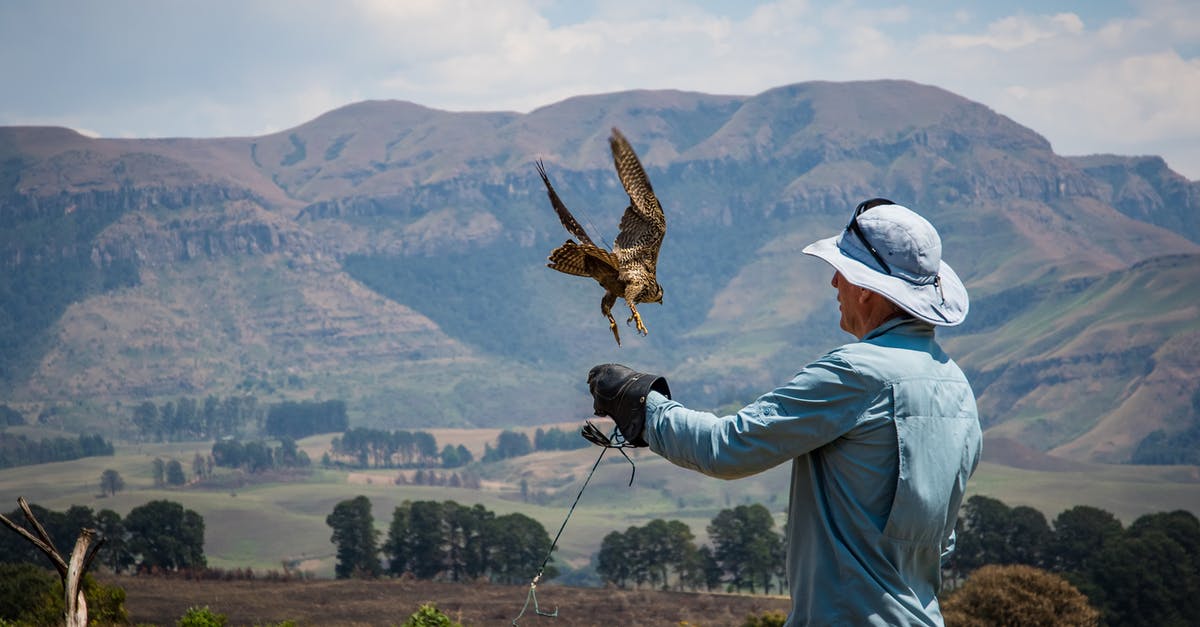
[{"x": 262, "y": 525}]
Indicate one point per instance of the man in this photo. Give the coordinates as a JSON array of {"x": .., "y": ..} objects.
[{"x": 882, "y": 432}]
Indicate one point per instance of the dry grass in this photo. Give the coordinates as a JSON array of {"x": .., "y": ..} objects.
[{"x": 389, "y": 602}]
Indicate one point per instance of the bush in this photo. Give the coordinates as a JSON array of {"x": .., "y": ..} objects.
[
  {"x": 202, "y": 617},
  {"x": 31, "y": 595},
  {"x": 25, "y": 590},
  {"x": 428, "y": 615},
  {"x": 1017, "y": 595}
]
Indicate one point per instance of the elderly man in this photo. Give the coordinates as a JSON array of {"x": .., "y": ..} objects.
[{"x": 882, "y": 432}]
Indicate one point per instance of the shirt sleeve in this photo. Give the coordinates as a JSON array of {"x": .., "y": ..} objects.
[{"x": 821, "y": 403}]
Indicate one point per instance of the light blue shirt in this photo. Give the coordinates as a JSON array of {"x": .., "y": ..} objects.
[{"x": 882, "y": 434}]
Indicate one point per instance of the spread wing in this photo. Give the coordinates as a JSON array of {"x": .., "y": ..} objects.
[
  {"x": 564, "y": 215},
  {"x": 643, "y": 225},
  {"x": 584, "y": 260}
]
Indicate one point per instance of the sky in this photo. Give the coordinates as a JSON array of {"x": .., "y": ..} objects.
[{"x": 1099, "y": 76}]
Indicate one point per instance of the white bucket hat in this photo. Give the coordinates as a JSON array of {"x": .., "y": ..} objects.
[{"x": 892, "y": 251}]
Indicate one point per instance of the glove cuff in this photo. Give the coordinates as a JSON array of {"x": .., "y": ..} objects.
[{"x": 631, "y": 407}]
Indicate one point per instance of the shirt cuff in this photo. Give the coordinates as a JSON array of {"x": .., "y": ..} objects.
[{"x": 654, "y": 400}]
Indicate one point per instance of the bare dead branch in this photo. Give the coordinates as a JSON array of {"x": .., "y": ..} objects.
[{"x": 55, "y": 559}]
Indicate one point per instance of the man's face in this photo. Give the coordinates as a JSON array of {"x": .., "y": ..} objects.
[{"x": 850, "y": 304}]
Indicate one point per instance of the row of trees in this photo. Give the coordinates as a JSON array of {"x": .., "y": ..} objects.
[
  {"x": 188, "y": 419},
  {"x": 157, "y": 535},
  {"x": 375, "y": 448},
  {"x": 468, "y": 479},
  {"x": 439, "y": 541},
  {"x": 516, "y": 443},
  {"x": 258, "y": 456},
  {"x": 19, "y": 450},
  {"x": 301, "y": 419},
  {"x": 1146, "y": 574},
  {"x": 746, "y": 553}
]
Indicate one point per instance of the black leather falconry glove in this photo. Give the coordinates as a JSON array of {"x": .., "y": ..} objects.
[{"x": 620, "y": 393}]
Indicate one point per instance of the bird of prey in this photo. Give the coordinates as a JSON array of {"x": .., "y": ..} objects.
[{"x": 627, "y": 271}]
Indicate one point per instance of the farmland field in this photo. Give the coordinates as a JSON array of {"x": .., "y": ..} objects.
[
  {"x": 263, "y": 525},
  {"x": 160, "y": 601}
]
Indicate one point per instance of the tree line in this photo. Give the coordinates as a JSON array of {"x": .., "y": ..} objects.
[
  {"x": 442, "y": 541},
  {"x": 300, "y": 419},
  {"x": 19, "y": 450},
  {"x": 1144, "y": 574},
  {"x": 516, "y": 443},
  {"x": 159, "y": 535},
  {"x": 187, "y": 419},
  {"x": 257, "y": 456},
  {"x": 747, "y": 553},
  {"x": 375, "y": 448}
]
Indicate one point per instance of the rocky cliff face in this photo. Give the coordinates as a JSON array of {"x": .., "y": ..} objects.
[
  {"x": 392, "y": 255},
  {"x": 1144, "y": 188}
]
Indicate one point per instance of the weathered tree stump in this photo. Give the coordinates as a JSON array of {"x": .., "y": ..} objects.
[{"x": 71, "y": 572}]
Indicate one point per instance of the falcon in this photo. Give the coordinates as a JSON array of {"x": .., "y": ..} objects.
[{"x": 628, "y": 270}]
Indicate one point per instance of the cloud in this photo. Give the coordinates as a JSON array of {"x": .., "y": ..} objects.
[
  {"x": 1017, "y": 31},
  {"x": 235, "y": 68}
]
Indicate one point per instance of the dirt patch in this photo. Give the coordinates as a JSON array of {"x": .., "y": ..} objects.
[{"x": 389, "y": 602}]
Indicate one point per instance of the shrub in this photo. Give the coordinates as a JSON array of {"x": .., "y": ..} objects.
[
  {"x": 24, "y": 590},
  {"x": 201, "y": 617},
  {"x": 428, "y": 615},
  {"x": 31, "y": 595},
  {"x": 1017, "y": 595}
]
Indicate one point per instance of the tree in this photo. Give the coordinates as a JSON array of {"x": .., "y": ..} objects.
[
  {"x": 520, "y": 545},
  {"x": 1028, "y": 535},
  {"x": 1080, "y": 533},
  {"x": 613, "y": 560},
  {"x": 146, "y": 419},
  {"x": 165, "y": 535},
  {"x": 115, "y": 554},
  {"x": 452, "y": 542},
  {"x": 302, "y": 419},
  {"x": 1151, "y": 574},
  {"x": 416, "y": 539},
  {"x": 111, "y": 482},
  {"x": 990, "y": 532},
  {"x": 508, "y": 444},
  {"x": 158, "y": 470},
  {"x": 1017, "y": 594},
  {"x": 746, "y": 545},
  {"x": 175, "y": 474},
  {"x": 355, "y": 536}
]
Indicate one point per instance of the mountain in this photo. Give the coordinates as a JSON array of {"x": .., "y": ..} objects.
[{"x": 393, "y": 255}]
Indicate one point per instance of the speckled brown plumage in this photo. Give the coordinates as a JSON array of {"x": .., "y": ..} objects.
[{"x": 628, "y": 270}]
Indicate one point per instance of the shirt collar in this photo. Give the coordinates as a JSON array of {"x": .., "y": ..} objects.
[{"x": 917, "y": 327}]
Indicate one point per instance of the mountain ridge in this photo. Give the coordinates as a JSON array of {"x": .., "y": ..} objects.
[{"x": 392, "y": 254}]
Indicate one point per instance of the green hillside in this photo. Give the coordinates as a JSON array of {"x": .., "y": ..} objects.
[{"x": 392, "y": 256}]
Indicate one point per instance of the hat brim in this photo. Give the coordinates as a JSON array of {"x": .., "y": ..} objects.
[{"x": 946, "y": 306}]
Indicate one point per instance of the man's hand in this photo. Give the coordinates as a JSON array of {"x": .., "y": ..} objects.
[{"x": 620, "y": 393}]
